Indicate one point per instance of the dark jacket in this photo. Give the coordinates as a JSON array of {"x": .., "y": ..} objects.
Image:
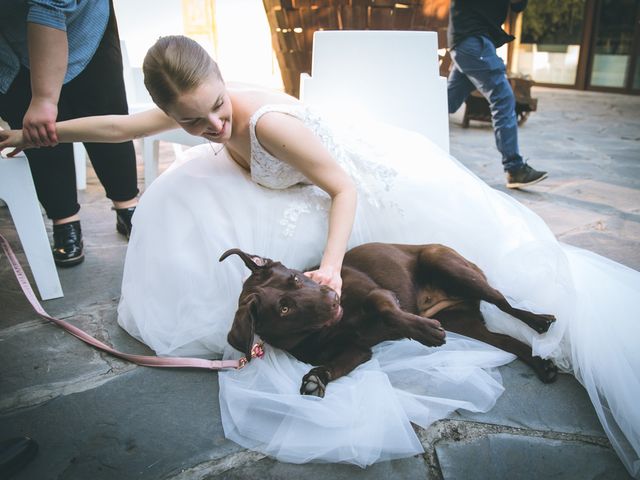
[{"x": 480, "y": 17}]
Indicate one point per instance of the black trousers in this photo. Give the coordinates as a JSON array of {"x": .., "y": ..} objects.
[{"x": 98, "y": 90}]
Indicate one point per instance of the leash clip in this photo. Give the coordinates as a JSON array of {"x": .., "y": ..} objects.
[{"x": 257, "y": 351}]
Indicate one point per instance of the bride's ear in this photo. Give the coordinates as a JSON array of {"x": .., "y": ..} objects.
[
  {"x": 253, "y": 262},
  {"x": 243, "y": 329}
]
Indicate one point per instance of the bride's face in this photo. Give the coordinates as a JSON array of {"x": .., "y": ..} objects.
[{"x": 205, "y": 111}]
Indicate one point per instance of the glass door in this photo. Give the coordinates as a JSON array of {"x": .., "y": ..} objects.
[
  {"x": 549, "y": 50},
  {"x": 614, "y": 56},
  {"x": 635, "y": 65}
]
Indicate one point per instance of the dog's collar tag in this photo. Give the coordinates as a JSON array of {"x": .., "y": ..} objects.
[{"x": 257, "y": 351}]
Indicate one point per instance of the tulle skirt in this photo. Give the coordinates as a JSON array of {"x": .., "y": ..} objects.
[{"x": 178, "y": 299}]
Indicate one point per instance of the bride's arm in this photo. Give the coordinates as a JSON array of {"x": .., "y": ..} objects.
[
  {"x": 103, "y": 129},
  {"x": 115, "y": 128},
  {"x": 286, "y": 138}
]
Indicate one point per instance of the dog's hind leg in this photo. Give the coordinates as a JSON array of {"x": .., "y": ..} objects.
[
  {"x": 451, "y": 270},
  {"x": 471, "y": 324},
  {"x": 315, "y": 382}
]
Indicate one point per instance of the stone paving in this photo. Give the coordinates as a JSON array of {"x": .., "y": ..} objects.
[{"x": 96, "y": 417}]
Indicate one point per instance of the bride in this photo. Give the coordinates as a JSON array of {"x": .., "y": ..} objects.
[{"x": 283, "y": 182}]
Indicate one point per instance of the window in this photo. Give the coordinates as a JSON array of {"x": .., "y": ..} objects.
[{"x": 550, "y": 40}]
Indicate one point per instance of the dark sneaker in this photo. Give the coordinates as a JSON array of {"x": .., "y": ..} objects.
[
  {"x": 68, "y": 249},
  {"x": 123, "y": 220},
  {"x": 524, "y": 177}
]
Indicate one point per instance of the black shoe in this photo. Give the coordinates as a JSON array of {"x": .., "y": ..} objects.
[
  {"x": 123, "y": 220},
  {"x": 524, "y": 177},
  {"x": 68, "y": 249},
  {"x": 16, "y": 453}
]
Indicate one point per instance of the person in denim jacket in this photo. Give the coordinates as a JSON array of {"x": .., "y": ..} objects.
[
  {"x": 474, "y": 34},
  {"x": 61, "y": 59}
]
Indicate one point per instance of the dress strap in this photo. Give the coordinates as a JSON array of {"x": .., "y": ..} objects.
[
  {"x": 294, "y": 109},
  {"x": 265, "y": 168}
]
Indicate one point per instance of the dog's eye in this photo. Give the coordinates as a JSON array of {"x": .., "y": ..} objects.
[
  {"x": 284, "y": 310},
  {"x": 296, "y": 279}
]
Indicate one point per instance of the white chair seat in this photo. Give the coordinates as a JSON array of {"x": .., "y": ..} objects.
[
  {"x": 151, "y": 150},
  {"x": 19, "y": 193},
  {"x": 389, "y": 76}
]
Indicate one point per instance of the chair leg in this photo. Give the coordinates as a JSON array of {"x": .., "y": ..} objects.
[
  {"x": 18, "y": 192},
  {"x": 151, "y": 160},
  {"x": 178, "y": 152},
  {"x": 35, "y": 243},
  {"x": 80, "y": 160}
]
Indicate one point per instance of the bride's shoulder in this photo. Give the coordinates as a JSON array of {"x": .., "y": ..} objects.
[{"x": 251, "y": 98}]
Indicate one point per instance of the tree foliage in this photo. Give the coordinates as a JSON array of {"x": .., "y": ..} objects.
[{"x": 553, "y": 22}]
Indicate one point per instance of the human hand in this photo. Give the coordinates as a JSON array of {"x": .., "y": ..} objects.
[
  {"x": 39, "y": 123},
  {"x": 328, "y": 276},
  {"x": 13, "y": 139}
]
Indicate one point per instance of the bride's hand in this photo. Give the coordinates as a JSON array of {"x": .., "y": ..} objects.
[
  {"x": 328, "y": 276},
  {"x": 13, "y": 139}
]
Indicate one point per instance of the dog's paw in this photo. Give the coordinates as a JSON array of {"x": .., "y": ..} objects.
[
  {"x": 432, "y": 334},
  {"x": 315, "y": 382},
  {"x": 544, "y": 323},
  {"x": 545, "y": 369}
]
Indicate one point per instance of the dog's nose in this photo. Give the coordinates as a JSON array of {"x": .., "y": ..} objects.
[
  {"x": 336, "y": 298},
  {"x": 332, "y": 294}
]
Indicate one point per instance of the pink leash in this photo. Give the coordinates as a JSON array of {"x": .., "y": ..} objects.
[{"x": 145, "y": 360}]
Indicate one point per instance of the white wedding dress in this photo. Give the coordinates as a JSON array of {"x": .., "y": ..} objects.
[{"x": 178, "y": 299}]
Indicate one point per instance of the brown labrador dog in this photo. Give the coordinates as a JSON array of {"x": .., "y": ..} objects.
[{"x": 389, "y": 292}]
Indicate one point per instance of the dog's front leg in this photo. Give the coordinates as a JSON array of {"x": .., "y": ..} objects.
[
  {"x": 315, "y": 382},
  {"x": 397, "y": 323}
]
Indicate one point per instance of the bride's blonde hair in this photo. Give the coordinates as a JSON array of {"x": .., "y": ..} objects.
[{"x": 173, "y": 65}]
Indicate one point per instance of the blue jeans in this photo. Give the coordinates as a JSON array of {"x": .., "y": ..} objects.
[{"x": 477, "y": 66}]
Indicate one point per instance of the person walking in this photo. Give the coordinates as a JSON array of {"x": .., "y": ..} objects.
[{"x": 474, "y": 34}]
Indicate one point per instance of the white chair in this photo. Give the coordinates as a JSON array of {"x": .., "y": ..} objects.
[
  {"x": 390, "y": 76},
  {"x": 139, "y": 101},
  {"x": 18, "y": 192}
]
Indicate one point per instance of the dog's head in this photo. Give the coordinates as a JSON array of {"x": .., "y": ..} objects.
[{"x": 281, "y": 305}]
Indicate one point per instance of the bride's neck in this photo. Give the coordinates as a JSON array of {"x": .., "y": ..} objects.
[{"x": 236, "y": 157}]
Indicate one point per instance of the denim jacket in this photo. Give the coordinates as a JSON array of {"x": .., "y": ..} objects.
[{"x": 84, "y": 21}]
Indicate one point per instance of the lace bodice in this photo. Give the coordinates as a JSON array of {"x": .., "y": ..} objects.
[
  {"x": 352, "y": 151},
  {"x": 266, "y": 169},
  {"x": 355, "y": 154}
]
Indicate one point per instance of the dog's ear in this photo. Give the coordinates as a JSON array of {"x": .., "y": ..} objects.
[
  {"x": 253, "y": 262},
  {"x": 243, "y": 329}
]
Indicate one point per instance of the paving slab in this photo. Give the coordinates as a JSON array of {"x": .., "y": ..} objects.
[
  {"x": 144, "y": 424},
  {"x": 527, "y": 403},
  {"x": 96, "y": 280},
  {"x": 46, "y": 363},
  {"x": 268, "y": 469},
  {"x": 527, "y": 458}
]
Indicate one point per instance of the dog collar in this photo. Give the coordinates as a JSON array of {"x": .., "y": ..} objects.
[{"x": 257, "y": 351}]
